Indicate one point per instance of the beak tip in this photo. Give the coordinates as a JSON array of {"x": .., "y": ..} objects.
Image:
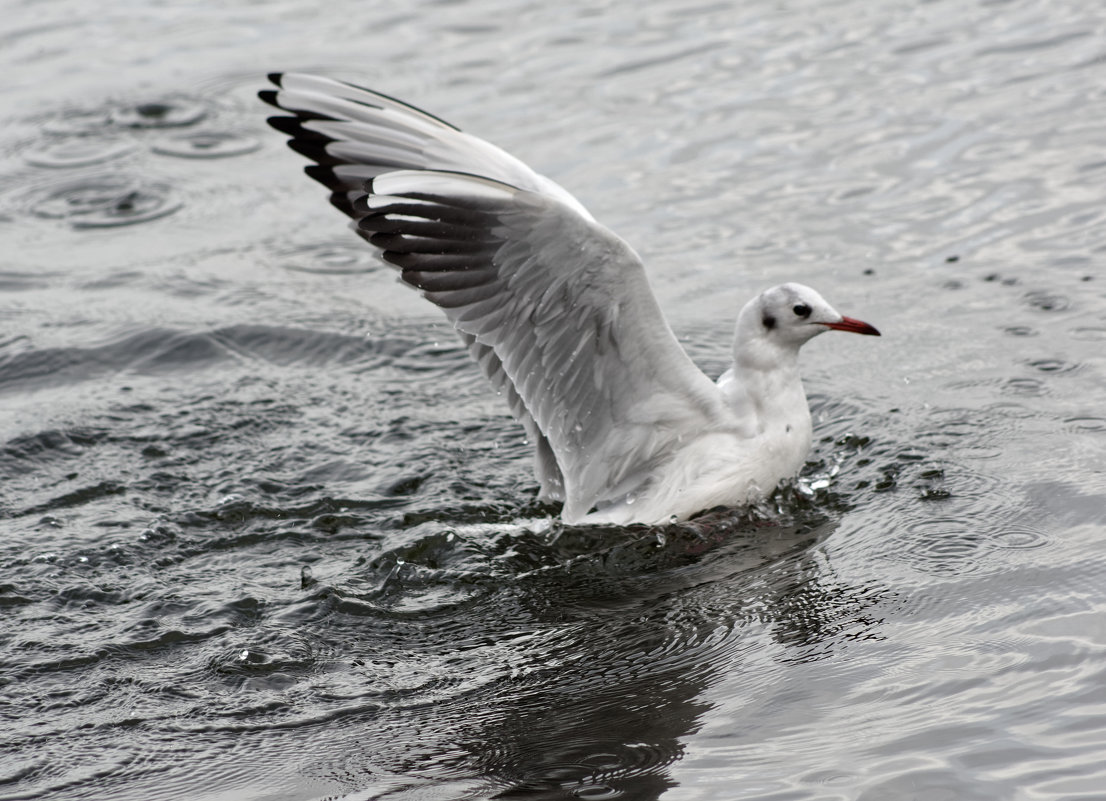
[{"x": 855, "y": 326}]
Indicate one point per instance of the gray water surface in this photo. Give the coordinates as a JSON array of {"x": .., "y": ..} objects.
[{"x": 267, "y": 535}]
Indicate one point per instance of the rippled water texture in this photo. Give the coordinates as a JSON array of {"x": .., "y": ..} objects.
[{"x": 266, "y": 535}]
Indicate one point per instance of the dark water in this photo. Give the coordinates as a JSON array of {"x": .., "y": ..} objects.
[{"x": 266, "y": 534}]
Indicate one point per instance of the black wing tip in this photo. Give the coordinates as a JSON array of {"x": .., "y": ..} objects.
[
  {"x": 286, "y": 125},
  {"x": 270, "y": 95},
  {"x": 324, "y": 174},
  {"x": 314, "y": 149},
  {"x": 340, "y": 201},
  {"x": 321, "y": 173}
]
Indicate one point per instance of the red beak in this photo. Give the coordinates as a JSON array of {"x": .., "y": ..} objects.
[{"x": 856, "y": 326}]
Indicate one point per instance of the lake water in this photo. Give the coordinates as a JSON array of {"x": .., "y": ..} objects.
[{"x": 267, "y": 535}]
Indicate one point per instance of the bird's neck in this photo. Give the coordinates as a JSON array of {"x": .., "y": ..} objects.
[{"x": 764, "y": 387}]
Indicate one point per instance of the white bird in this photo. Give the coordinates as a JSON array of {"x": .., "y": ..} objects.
[{"x": 557, "y": 311}]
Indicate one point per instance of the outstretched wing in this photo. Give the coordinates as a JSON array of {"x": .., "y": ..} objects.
[
  {"x": 555, "y": 307},
  {"x": 354, "y": 134}
]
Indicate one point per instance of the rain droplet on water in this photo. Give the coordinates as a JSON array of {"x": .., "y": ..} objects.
[
  {"x": 168, "y": 113},
  {"x": 206, "y": 145},
  {"x": 104, "y": 202}
]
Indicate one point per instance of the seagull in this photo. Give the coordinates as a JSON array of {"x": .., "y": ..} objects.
[{"x": 558, "y": 313}]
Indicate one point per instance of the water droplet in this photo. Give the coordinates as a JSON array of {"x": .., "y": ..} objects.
[{"x": 934, "y": 494}]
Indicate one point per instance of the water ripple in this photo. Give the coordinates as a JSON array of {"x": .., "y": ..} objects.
[
  {"x": 1053, "y": 365},
  {"x": 329, "y": 258},
  {"x": 168, "y": 112},
  {"x": 105, "y": 201},
  {"x": 81, "y": 152},
  {"x": 1044, "y": 300},
  {"x": 945, "y": 546},
  {"x": 154, "y": 351},
  {"x": 207, "y": 145},
  {"x": 1086, "y": 424}
]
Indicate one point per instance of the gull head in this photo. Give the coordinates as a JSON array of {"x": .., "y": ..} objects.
[{"x": 789, "y": 315}]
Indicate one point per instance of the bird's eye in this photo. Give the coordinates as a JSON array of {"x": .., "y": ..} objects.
[{"x": 801, "y": 309}]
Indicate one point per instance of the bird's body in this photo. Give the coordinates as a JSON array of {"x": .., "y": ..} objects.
[{"x": 558, "y": 313}]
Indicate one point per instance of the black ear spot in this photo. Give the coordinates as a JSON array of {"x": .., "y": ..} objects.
[
  {"x": 769, "y": 321},
  {"x": 801, "y": 309}
]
